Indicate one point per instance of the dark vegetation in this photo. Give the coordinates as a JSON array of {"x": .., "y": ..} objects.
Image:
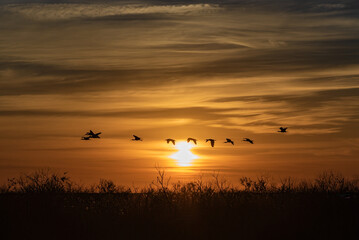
[{"x": 48, "y": 205}]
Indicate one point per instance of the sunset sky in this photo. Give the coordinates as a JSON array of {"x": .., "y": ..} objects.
[{"x": 179, "y": 69}]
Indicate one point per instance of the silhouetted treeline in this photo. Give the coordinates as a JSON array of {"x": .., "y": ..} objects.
[{"x": 48, "y": 205}]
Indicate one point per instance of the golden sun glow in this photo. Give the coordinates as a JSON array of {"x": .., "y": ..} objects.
[{"x": 184, "y": 156}]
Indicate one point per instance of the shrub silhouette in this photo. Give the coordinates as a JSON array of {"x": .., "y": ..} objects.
[
  {"x": 108, "y": 186},
  {"x": 40, "y": 181},
  {"x": 48, "y": 181},
  {"x": 325, "y": 208},
  {"x": 333, "y": 182}
]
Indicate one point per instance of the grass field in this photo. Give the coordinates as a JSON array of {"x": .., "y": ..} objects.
[{"x": 48, "y": 205}]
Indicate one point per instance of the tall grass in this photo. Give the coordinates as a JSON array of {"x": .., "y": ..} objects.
[
  {"x": 48, "y": 205},
  {"x": 48, "y": 181}
]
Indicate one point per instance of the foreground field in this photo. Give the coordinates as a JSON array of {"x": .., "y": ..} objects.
[{"x": 49, "y": 206}]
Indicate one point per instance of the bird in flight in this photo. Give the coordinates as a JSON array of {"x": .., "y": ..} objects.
[
  {"x": 283, "y": 130},
  {"x": 136, "y": 138},
  {"x": 229, "y": 141},
  {"x": 192, "y": 139},
  {"x": 247, "y": 140},
  {"x": 91, "y": 134},
  {"x": 211, "y": 140},
  {"x": 171, "y": 140}
]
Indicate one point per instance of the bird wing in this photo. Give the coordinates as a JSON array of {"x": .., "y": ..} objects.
[
  {"x": 195, "y": 141},
  {"x": 212, "y": 143}
]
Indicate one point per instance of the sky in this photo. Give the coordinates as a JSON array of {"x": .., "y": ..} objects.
[{"x": 179, "y": 69}]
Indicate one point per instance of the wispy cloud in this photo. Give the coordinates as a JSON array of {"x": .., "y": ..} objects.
[{"x": 68, "y": 11}]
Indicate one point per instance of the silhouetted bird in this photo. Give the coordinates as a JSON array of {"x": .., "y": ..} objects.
[
  {"x": 211, "y": 140},
  {"x": 229, "y": 141},
  {"x": 86, "y": 138},
  {"x": 91, "y": 134},
  {"x": 192, "y": 139},
  {"x": 283, "y": 130},
  {"x": 136, "y": 138},
  {"x": 171, "y": 140},
  {"x": 247, "y": 140}
]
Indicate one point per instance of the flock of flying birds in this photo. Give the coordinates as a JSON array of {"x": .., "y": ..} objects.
[{"x": 91, "y": 134}]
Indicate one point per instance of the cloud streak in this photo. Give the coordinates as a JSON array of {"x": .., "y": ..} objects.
[{"x": 63, "y": 11}]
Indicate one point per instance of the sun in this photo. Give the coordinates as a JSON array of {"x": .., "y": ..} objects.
[{"x": 184, "y": 156}]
